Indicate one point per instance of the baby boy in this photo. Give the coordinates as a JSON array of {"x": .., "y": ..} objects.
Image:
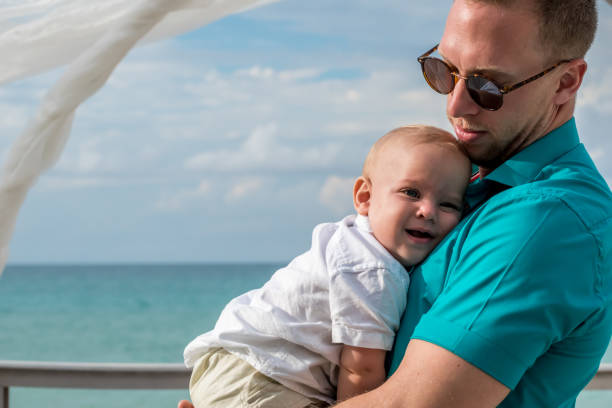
[{"x": 319, "y": 329}]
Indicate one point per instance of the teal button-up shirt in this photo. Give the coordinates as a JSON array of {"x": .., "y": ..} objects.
[{"x": 522, "y": 287}]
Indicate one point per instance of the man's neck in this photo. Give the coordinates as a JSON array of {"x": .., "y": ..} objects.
[
  {"x": 563, "y": 113},
  {"x": 557, "y": 118}
]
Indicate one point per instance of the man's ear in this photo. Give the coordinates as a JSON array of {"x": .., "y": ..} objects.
[
  {"x": 361, "y": 195},
  {"x": 570, "y": 81}
]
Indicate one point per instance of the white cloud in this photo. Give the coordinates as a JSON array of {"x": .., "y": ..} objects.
[
  {"x": 267, "y": 73},
  {"x": 244, "y": 85},
  {"x": 149, "y": 153},
  {"x": 243, "y": 188},
  {"x": 253, "y": 118},
  {"x": 336, "y": 18},
  {"x": 597, "y": 95},
  {"x": 57, "y": 183},
  {"x": 184, "y": 197},
  {"x": 263, "y": 149},
  {"x": 306, "y": 125},
  {"x": 282, "y": 122},
  {"x": 12, "y": 119},
  {"x": 602, "y": 161},
  {"x": 257, "y": 72},
  {"x": 337, "y": 194},
  {"x": 299, "y": 74},
  {"x": 597, "y": 154},
  {"x": 352, "y": 96},
  {"x": 346, "y": 127},
  {"x": 86, "y": 158}
]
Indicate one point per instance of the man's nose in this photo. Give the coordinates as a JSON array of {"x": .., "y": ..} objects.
[{"x": 459, "y": 103}]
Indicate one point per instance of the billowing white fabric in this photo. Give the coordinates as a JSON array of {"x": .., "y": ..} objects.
[
  {"x": 36, "y": 35},
  {"x": 347, "y": 289},
  {"x": 93, "y": 36}
]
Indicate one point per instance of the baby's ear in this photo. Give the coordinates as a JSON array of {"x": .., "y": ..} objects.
[{"x": 361, "y": 195}]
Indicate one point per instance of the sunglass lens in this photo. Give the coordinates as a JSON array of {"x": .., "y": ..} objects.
[
  {"x": 484, "y": 92},
  {"x": 438, "y": 75}
]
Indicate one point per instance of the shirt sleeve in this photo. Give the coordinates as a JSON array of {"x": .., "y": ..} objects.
[
  {"x": 524, "y": 279},
  {"x": 366, "y": 304}
]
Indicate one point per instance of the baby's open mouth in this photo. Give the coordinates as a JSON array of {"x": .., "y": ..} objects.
[{"x": 419, "y": 234}]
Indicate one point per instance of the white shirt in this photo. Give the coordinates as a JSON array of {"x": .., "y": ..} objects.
[{"x": 347, "y": 289}]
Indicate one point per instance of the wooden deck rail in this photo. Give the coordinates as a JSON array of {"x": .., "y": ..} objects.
[
  {"x": 90, "y": 376},
  {"x": 134, "y": 376}
]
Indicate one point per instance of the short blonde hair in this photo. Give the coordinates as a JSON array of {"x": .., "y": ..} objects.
[
  {"x": 566, "y": 28},
  {"x": 411, "y": 136}
]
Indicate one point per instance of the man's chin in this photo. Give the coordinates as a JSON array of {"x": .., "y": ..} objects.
[{"x": 485, "y": 163}]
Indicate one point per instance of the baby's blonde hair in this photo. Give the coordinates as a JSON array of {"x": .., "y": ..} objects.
[{"x": 410, "y": 136}]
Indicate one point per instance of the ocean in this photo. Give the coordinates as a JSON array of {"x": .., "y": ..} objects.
[{"x": 124, "y": 313}]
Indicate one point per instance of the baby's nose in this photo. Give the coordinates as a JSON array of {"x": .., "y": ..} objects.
[{"x": 427, "y": 210}]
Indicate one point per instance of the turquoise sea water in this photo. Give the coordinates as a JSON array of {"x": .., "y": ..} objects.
[
  {"x": 123, "y": 313},
  {"x": 135, "y": 313}
]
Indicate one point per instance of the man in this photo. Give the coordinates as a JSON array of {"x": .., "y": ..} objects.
[{"x": 513, "y": 309}]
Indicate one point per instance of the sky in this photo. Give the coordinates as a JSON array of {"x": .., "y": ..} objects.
[{"x": 231, "y": 142}]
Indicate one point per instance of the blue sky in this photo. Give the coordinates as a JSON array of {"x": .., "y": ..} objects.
[{"x": 230, "y": 143}]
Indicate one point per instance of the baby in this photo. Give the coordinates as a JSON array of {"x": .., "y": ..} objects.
[{"x": 319, "y": 329}]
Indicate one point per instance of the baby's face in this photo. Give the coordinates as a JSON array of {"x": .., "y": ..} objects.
[{"x": 416, "y": 198}]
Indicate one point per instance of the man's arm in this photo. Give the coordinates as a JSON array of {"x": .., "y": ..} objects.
[
  {"x": 433, "y": 377},
  {"x": 361, "y": 370}
]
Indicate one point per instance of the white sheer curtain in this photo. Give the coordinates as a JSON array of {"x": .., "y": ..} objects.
[{"x": 92, "y": 37}]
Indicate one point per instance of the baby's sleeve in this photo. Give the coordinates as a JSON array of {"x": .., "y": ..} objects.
[{"x": 366, "y": 304}]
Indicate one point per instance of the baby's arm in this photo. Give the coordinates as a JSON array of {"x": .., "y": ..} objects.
[{"x": 361, "y": 370}]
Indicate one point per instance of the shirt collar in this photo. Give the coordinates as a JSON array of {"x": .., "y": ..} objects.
[
  {"x": 363, "y": 223},
  {"x": 524, "y": 166}
]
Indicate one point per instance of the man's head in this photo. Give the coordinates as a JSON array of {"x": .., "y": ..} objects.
[
  {"x": 566, "y": 29},
  {"x": 508, "y": 42},
  {"x": 411, "y": 189}
]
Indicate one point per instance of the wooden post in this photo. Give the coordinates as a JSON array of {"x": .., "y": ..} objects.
[{"x": 4, "y": 397}]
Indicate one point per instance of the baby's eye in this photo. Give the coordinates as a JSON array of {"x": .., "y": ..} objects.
[
  {"x": 451, "y": 206},
  {"x": 411, "y": 192}
]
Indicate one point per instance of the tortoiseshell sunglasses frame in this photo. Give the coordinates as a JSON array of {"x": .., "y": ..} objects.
[{"x": 502, "y": 90}]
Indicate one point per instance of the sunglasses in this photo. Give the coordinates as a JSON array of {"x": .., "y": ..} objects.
[{"x": 486, "y": 93}]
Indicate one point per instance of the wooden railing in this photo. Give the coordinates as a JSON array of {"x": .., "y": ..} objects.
[
  {"x": 90, "y": 376},
  {"x": 603, "y": 378},
  {"x": 134, "y": 376}
]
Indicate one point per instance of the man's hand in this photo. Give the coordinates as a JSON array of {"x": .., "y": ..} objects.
[
  {"x": 433, "y": 377},
  {"x": 185, "y": 404}
]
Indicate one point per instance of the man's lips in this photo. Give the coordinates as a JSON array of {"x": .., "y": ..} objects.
[{"x": 468, "y": 135}]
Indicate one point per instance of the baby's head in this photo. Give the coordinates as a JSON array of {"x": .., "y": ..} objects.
[{"x": 412, "y": 187}]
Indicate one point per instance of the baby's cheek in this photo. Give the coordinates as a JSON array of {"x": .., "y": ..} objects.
[{"x": 449, "y": 222}]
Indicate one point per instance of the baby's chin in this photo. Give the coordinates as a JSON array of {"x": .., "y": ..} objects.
[{"x": 411, "y": 260}]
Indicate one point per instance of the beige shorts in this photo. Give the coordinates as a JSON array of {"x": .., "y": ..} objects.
[{"x": 222, "y": 380}]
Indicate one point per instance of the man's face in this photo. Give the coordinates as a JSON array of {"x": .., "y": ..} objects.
[{"x": 502, "y": 44}]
